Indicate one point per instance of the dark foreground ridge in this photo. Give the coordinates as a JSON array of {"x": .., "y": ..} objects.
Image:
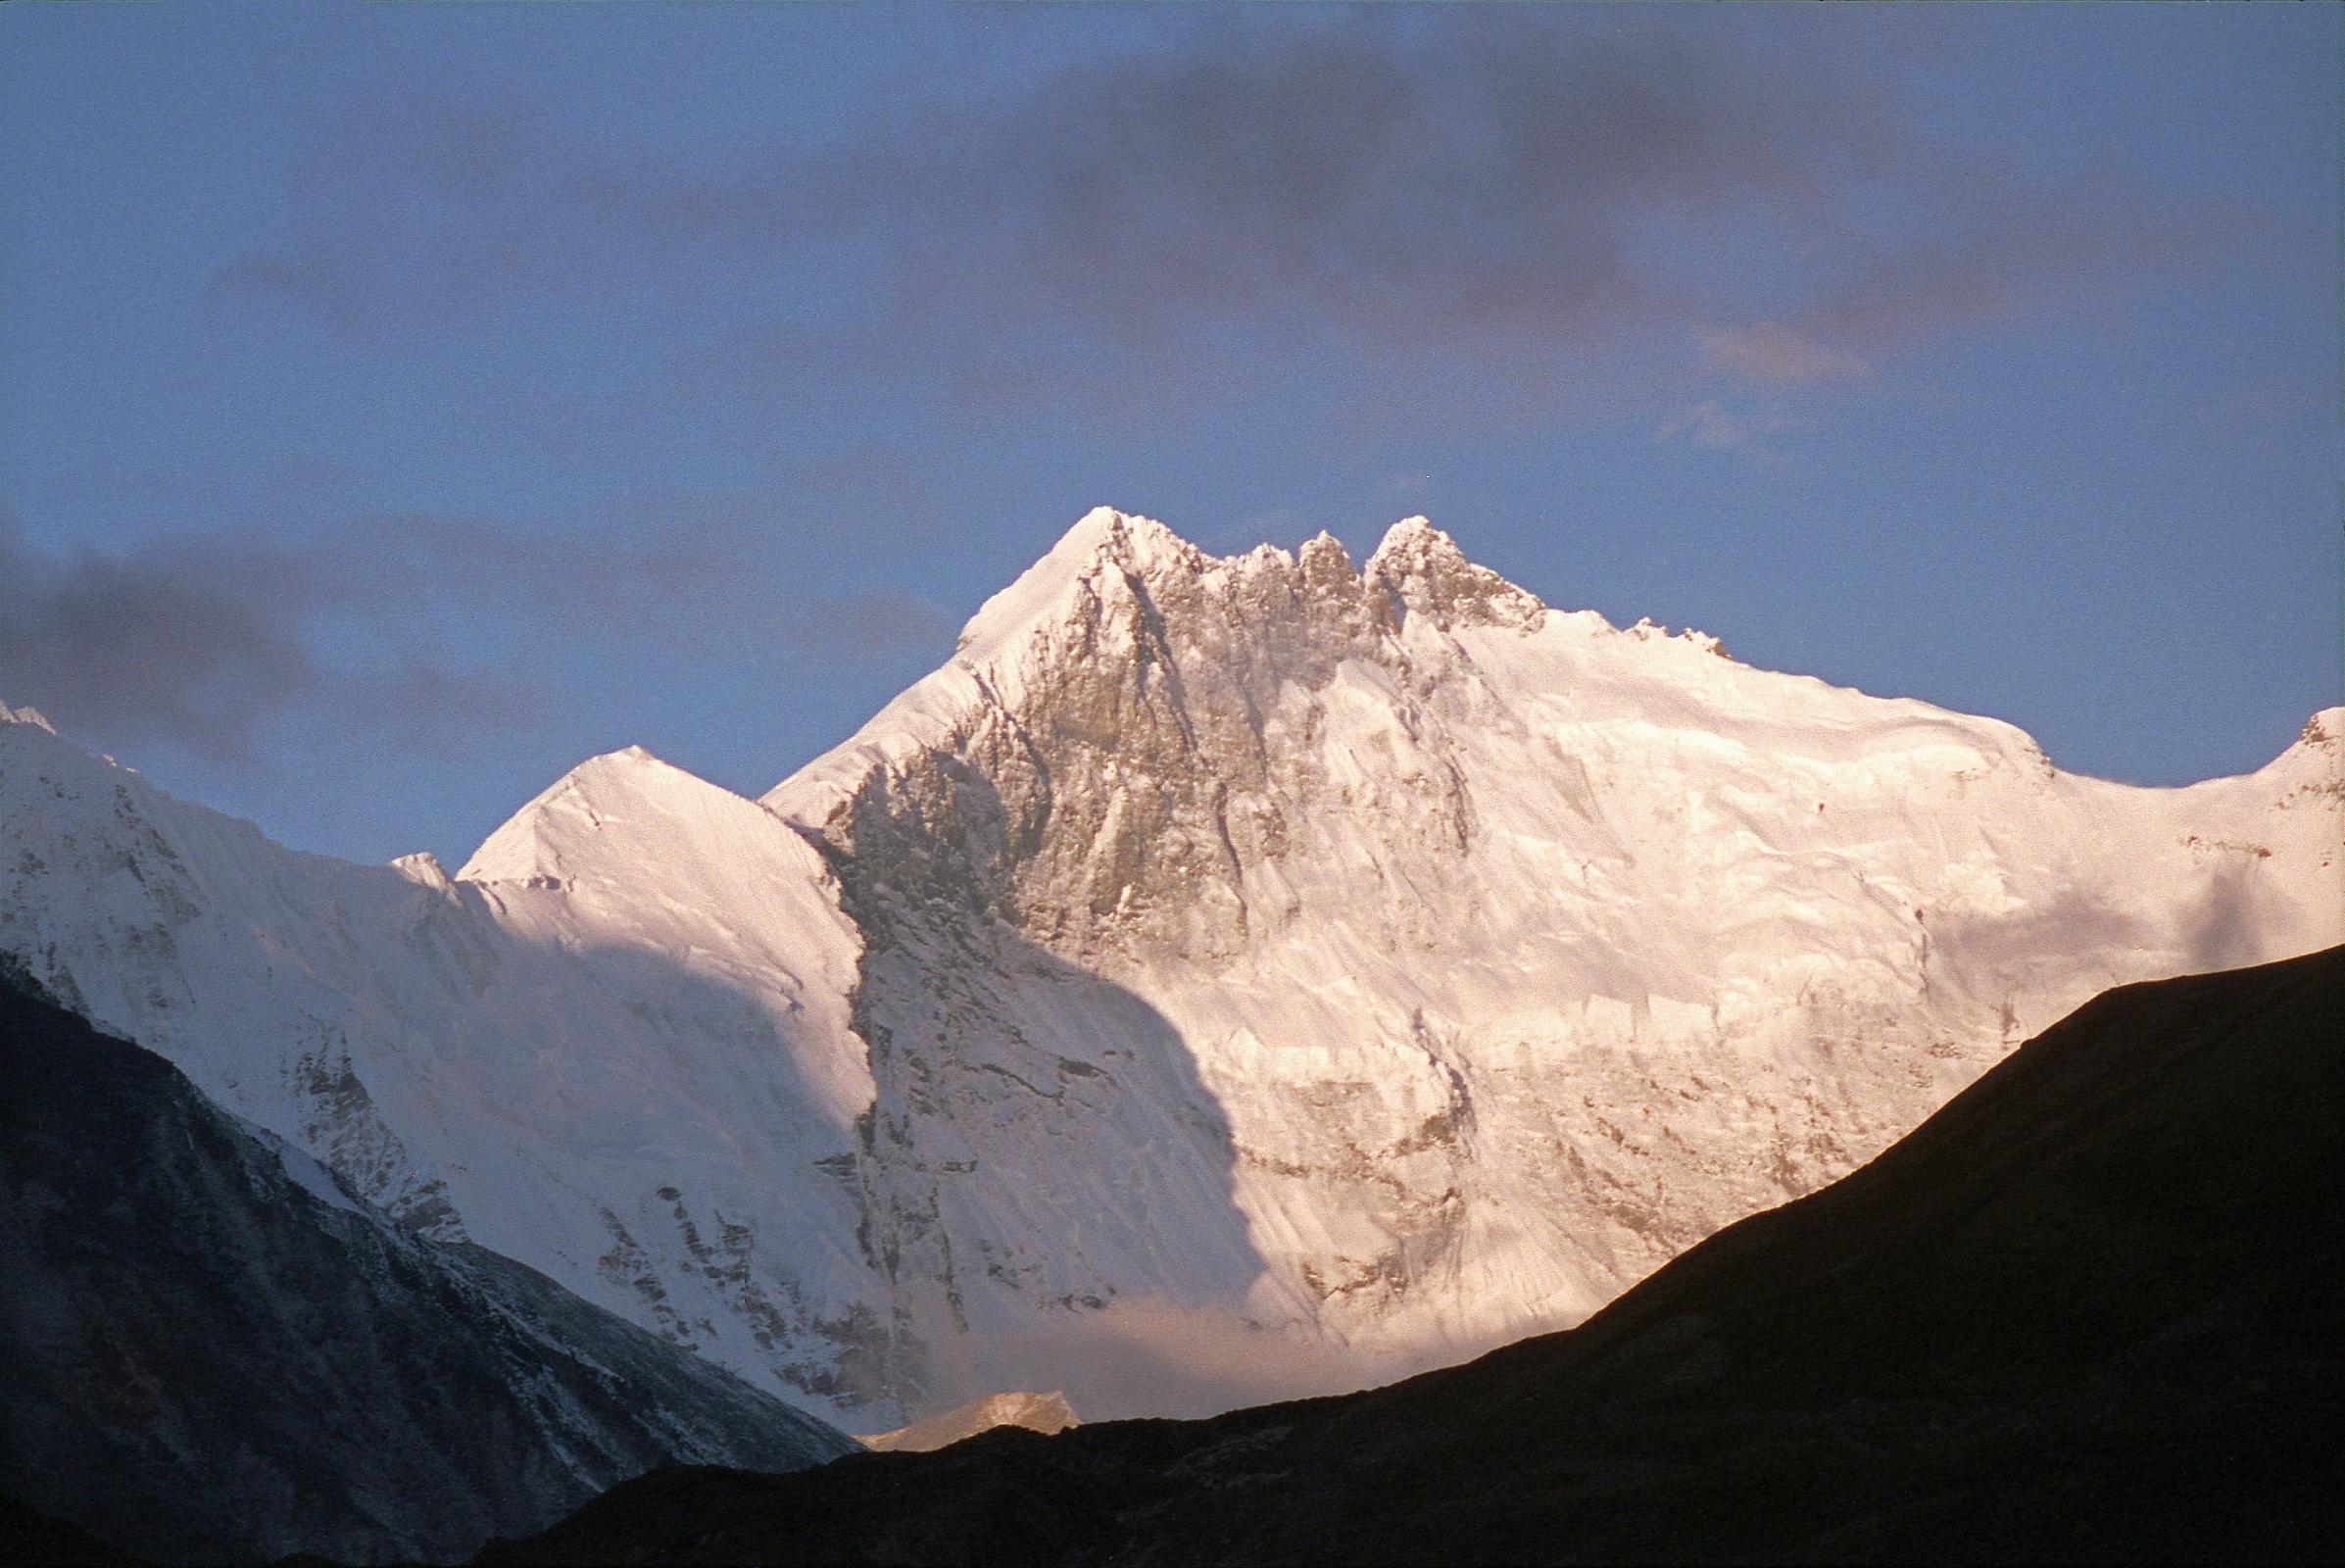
[
  {"x": 2088, "y": 1312},
  {"x": 208, "y": 1353}
]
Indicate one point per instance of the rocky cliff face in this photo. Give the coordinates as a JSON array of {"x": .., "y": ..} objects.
[
  {"x": 1226, "y": 978},
  {"x": 210, "y": 1352}
]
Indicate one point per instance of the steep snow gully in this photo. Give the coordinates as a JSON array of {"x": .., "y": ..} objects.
[{"x": 1226, "y": 978}]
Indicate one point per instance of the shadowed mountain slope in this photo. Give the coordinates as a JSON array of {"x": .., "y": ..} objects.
[
  {"x": 32, "y": 1539},
  {"x": 2086, "y": 1312},
  {"x": 209, "y": 1351}
]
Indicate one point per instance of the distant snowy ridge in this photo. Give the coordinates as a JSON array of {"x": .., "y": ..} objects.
[
  {"x": 1225, "y": 978},
  {"x": 1046, "y": 1413}
]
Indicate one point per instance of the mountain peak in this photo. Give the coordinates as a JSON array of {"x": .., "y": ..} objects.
[
  {"x": 630, "y": 757},
  {"x": 1416, "y": 539},
  {"x": 1135, "y": 544},
  {"x": 632, "y": 771},
  {"x": 1125, "y": 533},
  {"x": 1126, "y": 538},
  {"x": 1047, "y": 1413}
]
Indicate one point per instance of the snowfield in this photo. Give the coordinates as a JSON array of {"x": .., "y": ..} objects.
[{"x": 1226, "y": 978}]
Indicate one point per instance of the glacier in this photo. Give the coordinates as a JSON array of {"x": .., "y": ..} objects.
[{"x": 1226, "y": 978}]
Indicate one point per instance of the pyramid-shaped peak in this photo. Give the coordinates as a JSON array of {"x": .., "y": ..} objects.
[
  {"x": 423, "y": 869},
  {"x": 628, "y": 784},
  {"x": 1131, "y": 542},
  {"x": 1327, "y": 566},
  {"x": 1105, "y": 528},
  {"x": 1324, "y": 544},
  {"x": 632, "y": 767}
]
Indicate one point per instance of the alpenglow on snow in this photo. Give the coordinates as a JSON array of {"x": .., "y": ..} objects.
[{"x": 1225, "y": 978}]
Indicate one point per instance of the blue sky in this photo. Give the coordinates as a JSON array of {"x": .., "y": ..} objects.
[{"x": 402, "y": 402}]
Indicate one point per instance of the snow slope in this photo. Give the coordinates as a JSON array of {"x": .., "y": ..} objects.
[{"x": 1225, "y": 978}]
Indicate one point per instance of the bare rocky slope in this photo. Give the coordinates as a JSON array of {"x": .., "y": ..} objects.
[
  {"x": 2086, "y": 1312},
  {"x": 1225, "y": 979},
  {"x": 210, "y": 1352}
]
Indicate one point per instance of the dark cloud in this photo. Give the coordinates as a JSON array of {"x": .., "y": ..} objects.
[
  {"x": 1494, "y": 171},
  {"x": 201, "y": 639},
  {"x": 1992, "y": 246},
  {"x": 1467, "y": 181},
  {"x": 184, "y": 640}
]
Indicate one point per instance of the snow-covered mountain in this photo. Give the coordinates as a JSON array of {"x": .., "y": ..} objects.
[{"x": 1224, "y": 978}]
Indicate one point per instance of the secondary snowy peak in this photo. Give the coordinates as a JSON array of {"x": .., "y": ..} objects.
[
  {"x": 626, "y": 853},
  {"x": 627, "y": 795},
  {"x": 624, "y": 1065}
]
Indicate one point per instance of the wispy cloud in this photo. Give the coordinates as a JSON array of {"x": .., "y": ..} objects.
[
  {"x": 1771, "y": 354},
  {"x": 1740, "y": 432}
]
